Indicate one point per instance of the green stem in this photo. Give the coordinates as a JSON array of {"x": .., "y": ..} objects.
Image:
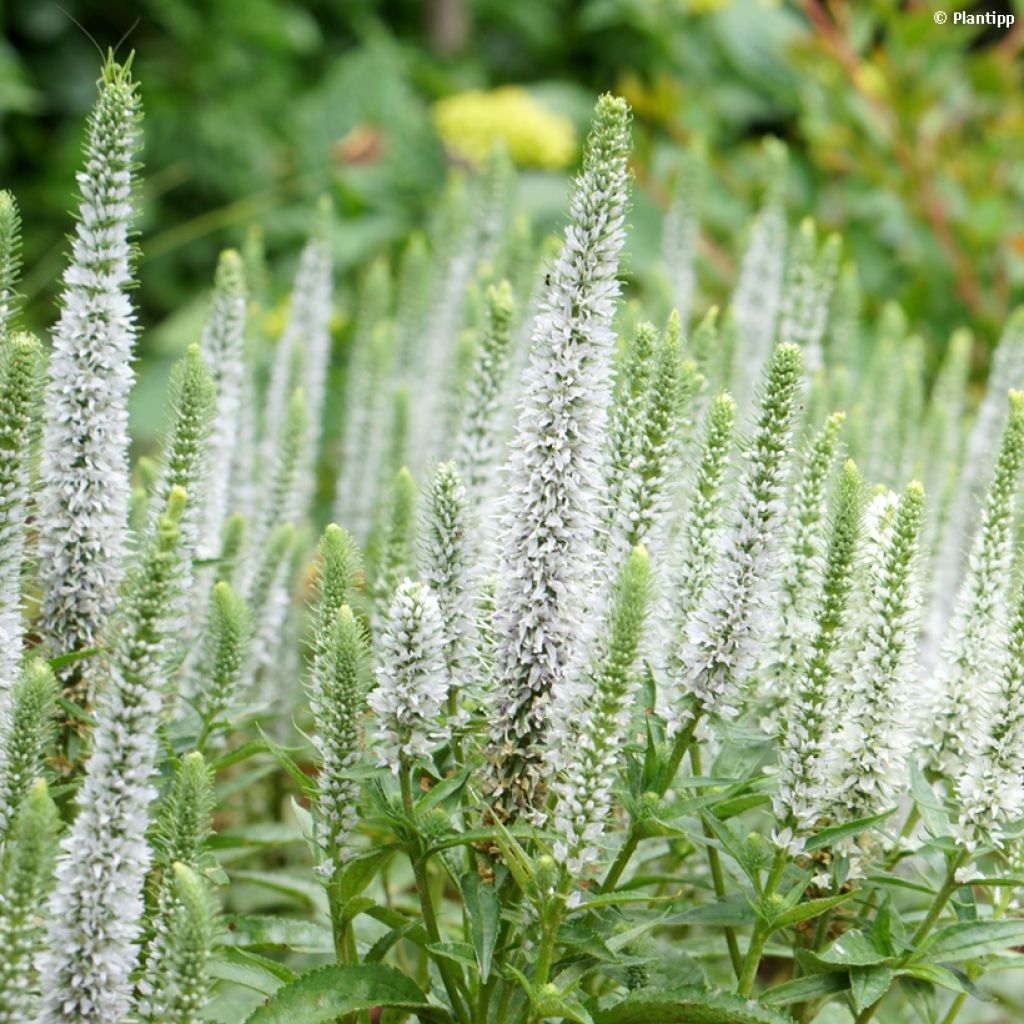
[
  {"x": 451, "y": 982},
  {"x": 552, "y": 918},
  {"x": 755, "y": 950},
  {"x": 954, "y": 1009},
  {"x": 661, "y": 784},
  {"x": 718, "y": 876},
  {"x": 949, "y": 886}
]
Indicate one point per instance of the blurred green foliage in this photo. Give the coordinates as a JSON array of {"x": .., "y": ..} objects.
[{"x": 906, "y": 135}]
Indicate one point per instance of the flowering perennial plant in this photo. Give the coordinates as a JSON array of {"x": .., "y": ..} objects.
[{"x": 639, "y": 680}]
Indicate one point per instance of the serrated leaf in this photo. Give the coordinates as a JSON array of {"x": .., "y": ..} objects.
[
  {"x": 868, "y": 984},
  {"x": 969, "y": 939},
  {"x": 686, "y": 1006},
  {"x": 831, "y": 835},
  {"x": 327, "y": 993},
  {"x": 484, "y": 913}
]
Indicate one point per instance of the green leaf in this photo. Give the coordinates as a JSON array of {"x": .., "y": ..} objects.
[
  {"x": 831, "y": 835},
  {"x": 250, "y": 970},
  {"x": 255, "y": 931},
  {"x": 62, "y": 660},
  {"x": 868, "y": 984},
  {"x": 241, "y": 753},
  {"x": 258, "y": 834},
  {"x": 811, "y": 908},
  {"x": 686, "y": 1006},
  {"x": 75, "y": 711},
  {"x": 853, "y": 949},
  {"x": 933, "y": 814},
  {"x": 802, "y": 989},
  {"x": 730, "y": 842},
  {"x": 459, "y": 952},
  {"x": 484, "y": 913},
  {"x": 733, "y": 911},
  {"x": 558, "y": 1005},
  {"x": 934, "y": 974},
  {"x": 309, "y": 894},
  {"x": 444, "y": 790},
  {"x": 326, "y": 993},
  {"x": 357, "y": 873},
  {"x": 969, "y": 939},
  {"x": 306, "y": 785}
]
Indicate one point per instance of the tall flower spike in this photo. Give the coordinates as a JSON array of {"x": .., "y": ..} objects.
[
  {"x": 336, "y": 692},
  {"x": 681, "y": 233},
  {"x": 625, "y": 415},
  {"x": 803, "y": 551},
  {"x": 95, "y": 911},
  {"x": 810, "y": 279},
  {"x": 641, "y": 501},
  {"x": 554, "y": 467},
  {"x": 445, "y": 549},
  {"x": 413, "y": 297},
  {"x": 223, "y": 346},
  {"x": 870, "y": 749},
  {"x": 365, "y": 402},
  {"x": 25, "y": 736},
  {"x": 478, "y": 442},
  {"x": 758, "y": 294},
  {"x": 225, "y": 649},
  {"x": 699, "y": 535},
  {"x": 1007, "y": 372},
  {"x": 395, "y": 557},
  {"x": 808, "y": 723},
  {"x": 191, "y": 935},
  {"x": 10, "y": 261},
  {"x": 263, "y": 594},
  {"x": 282, "y": 503},
  {"x": 83, "y": 513},
  {"x": 337, "y": 700},
  {"x": 26, "y": 864},
  {"x": 184, "y": 460},
  {"x": 589, "y": 742},
  {"x": 20, "y": 380},
  {"x": 723, "y": 633},
  {"x": 303, "y": 350},
  {"x": 182, "y": 830},
  {"x": 411, "y": 681},
  {"x": 990, "y": 789},
  {"x": 968, "y": 657}
]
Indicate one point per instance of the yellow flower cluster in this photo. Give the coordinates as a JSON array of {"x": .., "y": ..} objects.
[{"x": 470, "y": 123}]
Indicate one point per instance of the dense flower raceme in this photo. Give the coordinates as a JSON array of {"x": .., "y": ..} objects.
[
  {"x": 95, "y": 911},
  {"x": 448, "y": 749},
  {"x": 84, "y": 465},
  {"x": 554, "y": 467},
  {"x": 411, "y": 678}
]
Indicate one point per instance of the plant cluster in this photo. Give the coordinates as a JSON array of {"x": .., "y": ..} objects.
[{"x": 649, "y": 673}]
